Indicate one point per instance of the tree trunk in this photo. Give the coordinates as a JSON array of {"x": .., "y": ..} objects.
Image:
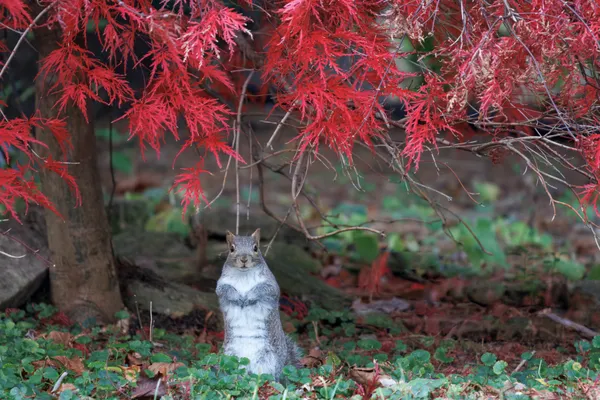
[{"x": 84, "y": 282}]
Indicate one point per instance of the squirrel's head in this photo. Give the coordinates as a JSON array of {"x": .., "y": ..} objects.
[{"x": 243, "y": 251}]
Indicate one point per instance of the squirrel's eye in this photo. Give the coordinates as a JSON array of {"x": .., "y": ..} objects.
[
  {"x": 255, "y": 248},
  {"x": 232, "y": 248}
]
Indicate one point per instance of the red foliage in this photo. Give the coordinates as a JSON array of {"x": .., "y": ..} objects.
[
  {"x": 15, "y": 13},
  {"x": 59, "y": 318},
  {"x": 190, "y": 182},
  {"x": 515, "y": 61},
  {"x": 370, "y": 279}
]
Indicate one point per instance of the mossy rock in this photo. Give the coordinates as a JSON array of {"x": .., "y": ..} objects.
[
  {"x": 141, "y": 286},
  {"x": 162, "y": 252}
]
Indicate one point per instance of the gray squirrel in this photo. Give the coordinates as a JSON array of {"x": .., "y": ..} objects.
[{"x": 249, "y": 299}]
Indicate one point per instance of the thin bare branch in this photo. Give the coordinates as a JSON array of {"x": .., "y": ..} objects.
[{"x": 24, "y": 35}]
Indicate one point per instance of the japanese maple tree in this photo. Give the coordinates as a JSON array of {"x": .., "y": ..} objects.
[{"x": 521, "y": 73}]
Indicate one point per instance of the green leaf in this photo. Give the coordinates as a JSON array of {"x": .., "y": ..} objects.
[
  {"x": 583, "y": 346},
  {"x": 66, "y": 395},
  {"x": 485, "y": 233},
  {"x": 350, "y": 346},
  {"x": 369, "y": 344},
  {"x": 168, "y": 220},
  {"x": 421, "y": 356},
  {"x": 596, "y": 342},
  {"x": 488, "y": 359},
  {"x": 594, "y": 273},
  {"x": 499, "y": 367},
  {"x": 333, "y": 359},
  {"x": 421, "y": 388},
  {"x": 51, "y": 374},
  {"x": 570, "y": 269},
  {"x": 123, "y": 314},
  {"x": 526, "y": 356},
  {"x": 440, "y": 355},
  {"x": 488, "y": 192},
  {"x": 160, "y": 357},
  {"x": 395, "y": 243},
  {"x": 367, "y": 246}
]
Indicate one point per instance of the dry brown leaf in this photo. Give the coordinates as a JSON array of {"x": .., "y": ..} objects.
[
  {"x": 147, "y": 387},
  {"x": 321, "y": 381},
  {"x": 131, "y": 373},
  {"x": 40, "y": 364},
  {"x": 314, "y": 358},
  {"x": 365, "y": 377},
  {"x": 164, "y": 368},
  {"x": 134, "y": 358},
  {"x": 64, "y": 338},
  {"x": 74, "y": 364}
]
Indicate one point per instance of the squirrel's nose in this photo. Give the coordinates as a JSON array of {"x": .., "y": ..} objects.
[{"x": 244, "y": 260}]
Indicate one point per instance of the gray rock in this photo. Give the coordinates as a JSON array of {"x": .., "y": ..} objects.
[
  {"x": 21, "y": 277},
  {"x": 161, "y": 252}
]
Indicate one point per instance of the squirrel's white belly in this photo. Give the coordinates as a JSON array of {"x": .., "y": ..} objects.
[
  {"x": 262, "y": 359},
  {"x": 248, "y": 320},
  {"x": 249, "y": 337}
]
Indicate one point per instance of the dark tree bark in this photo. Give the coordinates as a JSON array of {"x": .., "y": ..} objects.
[{"x": 84, "y": 282}]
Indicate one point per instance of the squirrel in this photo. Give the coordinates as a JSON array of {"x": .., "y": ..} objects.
[{"x": 249, "y": 300}]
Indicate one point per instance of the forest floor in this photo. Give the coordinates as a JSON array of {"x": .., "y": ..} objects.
[{"x": 432, "y": 316}]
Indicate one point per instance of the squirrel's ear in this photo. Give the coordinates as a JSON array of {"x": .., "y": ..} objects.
[
  {"x": 256, "y": 236},
  {"x": 229, "y": 237}
]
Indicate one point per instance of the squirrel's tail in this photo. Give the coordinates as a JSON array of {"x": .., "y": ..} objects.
[{"x": 294, "y": 352}]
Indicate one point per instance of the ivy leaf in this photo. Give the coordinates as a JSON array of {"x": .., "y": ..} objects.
[
  {"x": 488, "y": 359},
  {"x": 499, "y": 367},
  {"x": 160, "y": 358}
]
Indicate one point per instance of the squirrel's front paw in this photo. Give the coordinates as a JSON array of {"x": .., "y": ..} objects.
[
  {"x": 245, "y": 302},
  {"x": 240, "y": 302}
]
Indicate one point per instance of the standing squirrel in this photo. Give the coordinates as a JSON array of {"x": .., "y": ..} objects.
[{"x": 249, "y": 299}]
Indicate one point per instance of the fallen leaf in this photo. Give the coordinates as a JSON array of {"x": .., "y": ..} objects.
[
  {"x": 74, "y": 364},
  {"x": 147, "y": 387},
  {"x": 59, "y": 362},
  {"x": 313, "y": 359},
  {"x": 131, "y": 373},
  {"x": 64, "y": 338},
  {"x": 134, "y": 358},
  {"x": 164, "y": 368},
  {"x": 369, "y": 376},
  {"x": 321, "y": 381}
]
